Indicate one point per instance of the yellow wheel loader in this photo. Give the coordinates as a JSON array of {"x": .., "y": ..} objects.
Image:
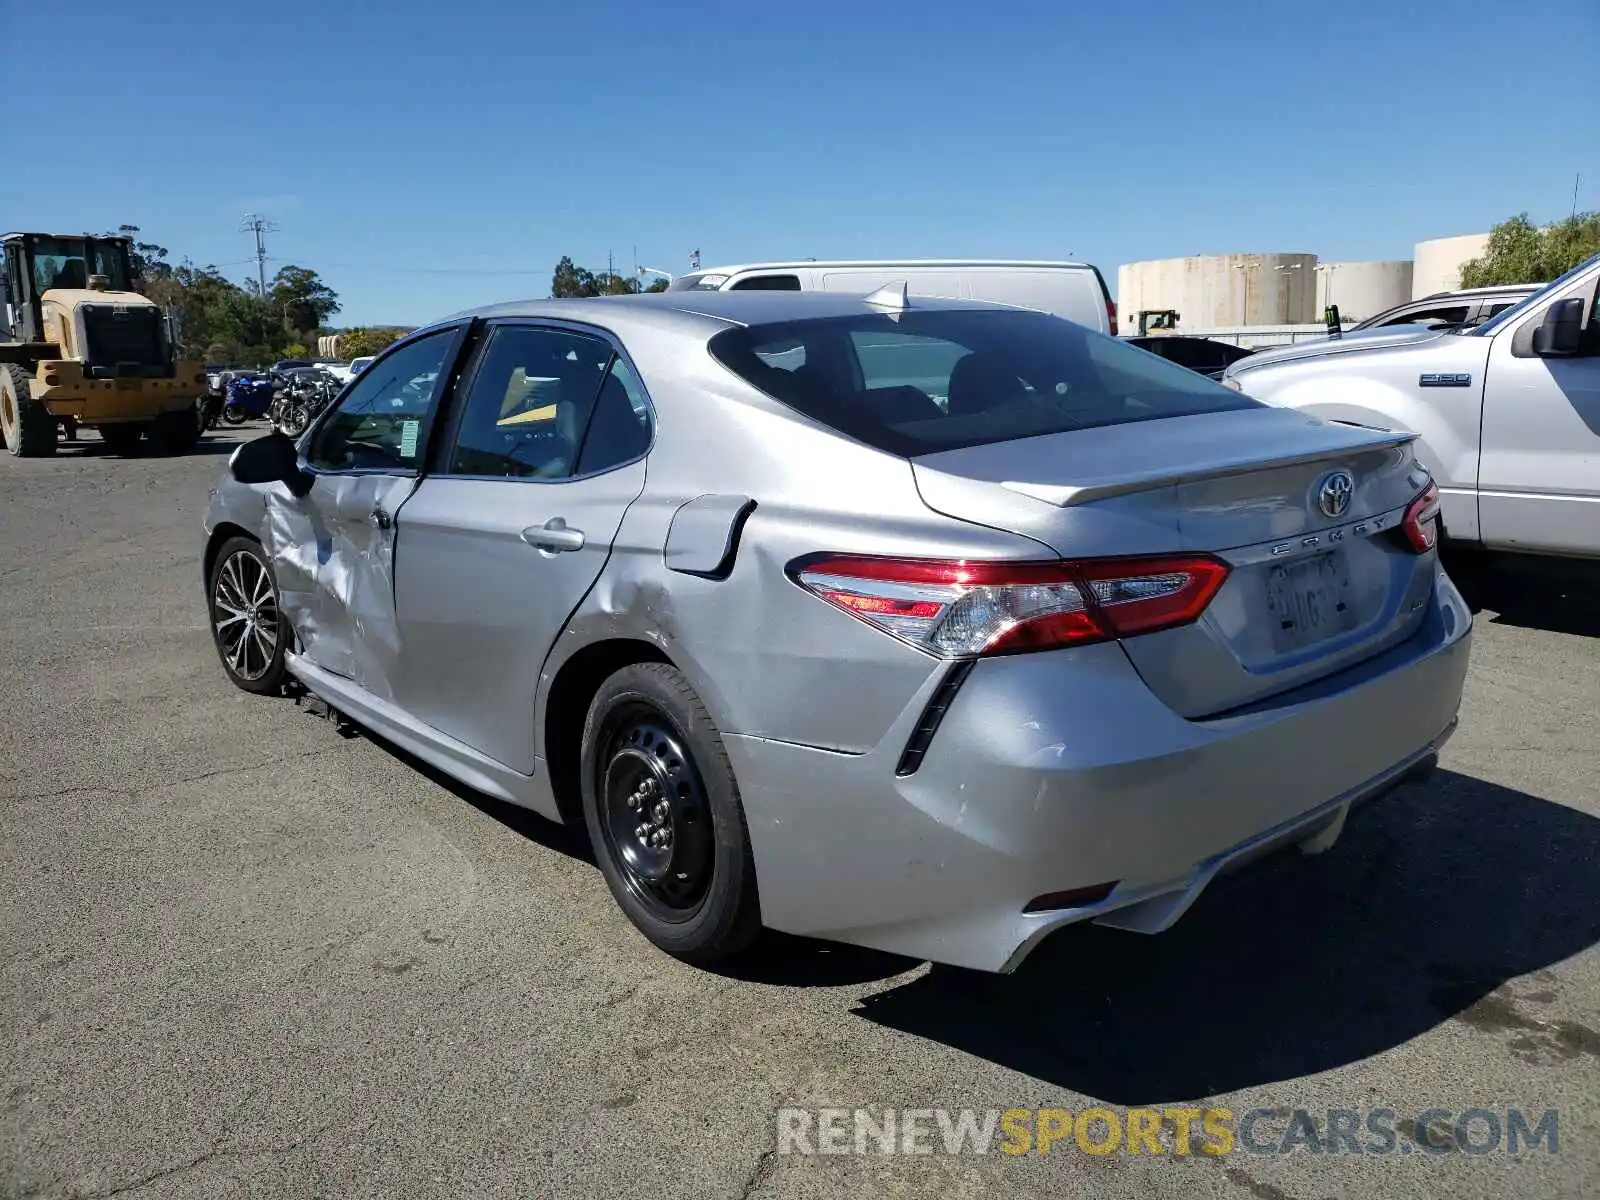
[{"x": 79, "y": 348}]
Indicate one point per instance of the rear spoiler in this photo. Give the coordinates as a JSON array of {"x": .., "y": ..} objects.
[{"x": 1068, "y": 495}]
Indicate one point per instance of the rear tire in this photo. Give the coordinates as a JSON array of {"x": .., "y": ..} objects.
[
  {"x": 233, "y": 416},
  {"x": 28, "y": 427},
  {"x": 122, "y": 439},
  {"x": 248, "y": 627},
  {"x": 663, "y": 812},
  {"x": 175, "y": 432}
]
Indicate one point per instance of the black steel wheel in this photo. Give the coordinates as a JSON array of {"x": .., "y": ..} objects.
[
  {"x": 664, "y": 816},
  {"x": 247, "y": 625},
  {"x": 657, "y": 816}
]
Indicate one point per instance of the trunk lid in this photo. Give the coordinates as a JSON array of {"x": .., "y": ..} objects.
[{"x": 1309, "y": 593}]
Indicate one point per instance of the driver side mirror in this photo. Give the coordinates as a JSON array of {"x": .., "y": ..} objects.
[
  {"x": 1560, "y": 334},
  {"x": 271, "y": 459}
]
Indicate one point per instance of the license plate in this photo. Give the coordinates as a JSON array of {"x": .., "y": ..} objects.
[{"x": 1310, "y": 600}]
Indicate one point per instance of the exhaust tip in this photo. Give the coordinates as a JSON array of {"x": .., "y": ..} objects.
[{"x": 1071, "y": 898}]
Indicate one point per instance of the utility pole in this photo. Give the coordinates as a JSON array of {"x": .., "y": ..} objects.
[
  {"x": 260, "y": 226},
  {"x": 1576, "y": 180}
]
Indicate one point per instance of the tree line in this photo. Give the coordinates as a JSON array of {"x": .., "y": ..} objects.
[
  {"x": 1521, "y": 252},
  {"x": 221, "y": 321},
  {"x": 571, "y": 280}
]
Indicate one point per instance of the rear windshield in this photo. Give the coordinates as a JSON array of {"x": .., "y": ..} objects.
[
  {"x": 919, "y": 382},
  {"x": 697, "y": 283}
]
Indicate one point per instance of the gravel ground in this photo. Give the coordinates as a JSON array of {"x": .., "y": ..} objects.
[{"x": 247, "y": 956}]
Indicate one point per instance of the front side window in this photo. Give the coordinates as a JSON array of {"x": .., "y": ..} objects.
[
  {"x": 921, "y": 382},
  {"x": 60, "y": 263},
  {"x": 548, "y": 404},
  {"x": 379, "y": 422}
]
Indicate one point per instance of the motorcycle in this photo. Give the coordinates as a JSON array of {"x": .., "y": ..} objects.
[
  {"x": 249, "y": 398},
  {"x": 301, "y": 400}
]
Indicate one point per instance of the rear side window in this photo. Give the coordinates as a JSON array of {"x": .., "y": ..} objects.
[
  {"x": 530, "y": 402},
  {"x": 768, "y": 283},
  {"x": 919, "y": 382}
]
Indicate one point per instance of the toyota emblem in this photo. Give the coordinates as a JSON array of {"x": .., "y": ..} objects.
[{"x": 1334, "y": 492}]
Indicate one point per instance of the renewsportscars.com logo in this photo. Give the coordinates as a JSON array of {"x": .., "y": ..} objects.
[{"x": 1175, "y": 1131}]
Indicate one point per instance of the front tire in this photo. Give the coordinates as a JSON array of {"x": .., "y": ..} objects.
[
  {"x": 663, "y": 812},
  {"x": 28, "y": 427},
  {"x": 248, "y": 627}
]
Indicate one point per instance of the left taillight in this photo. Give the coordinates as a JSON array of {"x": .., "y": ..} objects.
[
  {"x": 1420, "y": 525},
  {"x": 962, "y": 608}
]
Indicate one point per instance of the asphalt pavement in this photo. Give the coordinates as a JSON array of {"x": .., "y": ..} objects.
[{"x": 248, "y": 955}]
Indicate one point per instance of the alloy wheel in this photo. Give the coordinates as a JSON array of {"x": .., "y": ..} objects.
[{"x": 244, "y": 610}]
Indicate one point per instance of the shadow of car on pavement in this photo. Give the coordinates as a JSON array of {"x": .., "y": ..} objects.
[{"x": 1556, "y": 595}]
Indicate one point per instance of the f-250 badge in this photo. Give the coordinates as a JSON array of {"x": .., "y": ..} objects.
[{"x": 1433, "y": 379}]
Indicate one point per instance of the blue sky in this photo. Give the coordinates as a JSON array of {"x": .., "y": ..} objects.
[{"x": 419, "y": 155}]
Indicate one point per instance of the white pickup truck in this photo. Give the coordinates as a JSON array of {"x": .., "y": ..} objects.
[{"x": 1507, "y": 414}]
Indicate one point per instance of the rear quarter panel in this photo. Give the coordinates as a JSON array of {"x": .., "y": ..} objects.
[{"x": 768, "y": 658}]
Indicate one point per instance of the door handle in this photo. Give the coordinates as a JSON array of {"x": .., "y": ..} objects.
[
  {"x": 554, "y": 536},
  {"x": 381, "y": 518}
]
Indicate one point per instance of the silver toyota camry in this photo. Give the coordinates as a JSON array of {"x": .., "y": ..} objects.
[{"x": 923, "y": 625}]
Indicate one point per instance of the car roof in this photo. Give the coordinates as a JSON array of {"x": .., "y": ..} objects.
[
  {"x": 703, "y": 312},
  {"x": 796, "y": 264}
]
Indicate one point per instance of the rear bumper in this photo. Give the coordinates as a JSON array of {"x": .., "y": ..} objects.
[{"x": 1062, "y": 770}]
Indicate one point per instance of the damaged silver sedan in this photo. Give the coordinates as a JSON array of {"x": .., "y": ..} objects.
[{"x": 924, "y": 625}]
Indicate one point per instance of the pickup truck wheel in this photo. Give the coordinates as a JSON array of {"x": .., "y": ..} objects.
[
  {"x": 664, "y": 816},
  {"x": 29, "y": 429},
  {"x": 175, "y": 432},
  {"x": 122, "y": 439}
]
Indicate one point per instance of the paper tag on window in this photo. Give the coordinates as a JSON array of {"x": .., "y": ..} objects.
[{"x": 408, "y": 438}]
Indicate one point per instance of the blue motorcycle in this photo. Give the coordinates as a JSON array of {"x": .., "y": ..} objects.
[{"x": 249, "y": 399}]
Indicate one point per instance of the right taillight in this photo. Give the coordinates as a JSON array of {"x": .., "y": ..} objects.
[
  {"x": 959, "y": 608},
  {"x": 1421, "y": 522}
]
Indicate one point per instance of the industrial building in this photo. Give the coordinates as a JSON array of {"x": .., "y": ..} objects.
[
  {"x": 1219, "y": 291},
  {"x": 1438, "y": 262}
]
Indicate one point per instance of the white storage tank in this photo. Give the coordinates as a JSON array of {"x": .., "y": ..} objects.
[
  {"x": 1438, "y": 262},
  {"x": 1363, "y": 289},
  {"x": 1215, "y": 290}
]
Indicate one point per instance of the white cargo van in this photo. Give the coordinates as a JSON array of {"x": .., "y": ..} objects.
[{"x": 1072, "y": 290}]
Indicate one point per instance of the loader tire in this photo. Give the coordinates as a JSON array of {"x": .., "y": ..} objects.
[{"x": 29, "y": 429}]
